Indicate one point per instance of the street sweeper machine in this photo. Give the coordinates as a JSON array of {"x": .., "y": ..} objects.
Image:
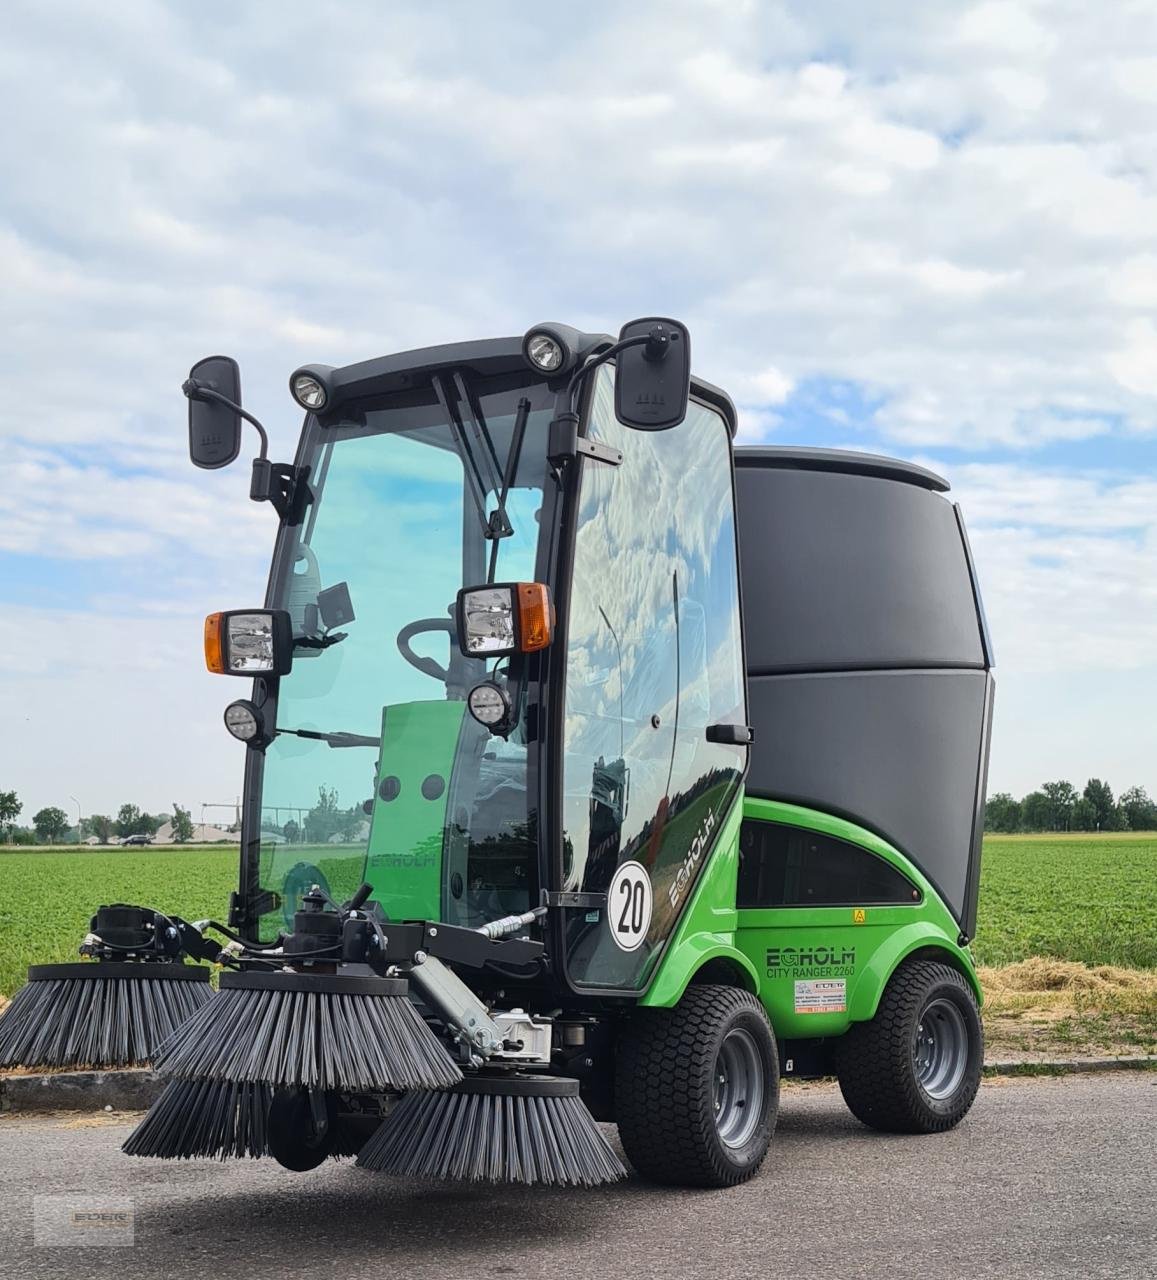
[{"x": 596, "y": 770}]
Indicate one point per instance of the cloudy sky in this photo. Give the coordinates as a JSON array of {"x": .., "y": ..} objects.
[{"x": 926, "y": 230}]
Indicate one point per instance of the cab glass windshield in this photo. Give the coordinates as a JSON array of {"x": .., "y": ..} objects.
[{"x": 378, "y": 772}]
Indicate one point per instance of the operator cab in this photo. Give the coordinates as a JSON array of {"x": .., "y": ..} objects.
[{"x": 509, "y": 575}]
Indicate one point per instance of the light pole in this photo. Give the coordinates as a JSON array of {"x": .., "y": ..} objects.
[{"x": 76, "y": 802}]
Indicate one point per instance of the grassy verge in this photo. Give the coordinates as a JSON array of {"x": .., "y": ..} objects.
[{"x": 1062, "y": 1009}]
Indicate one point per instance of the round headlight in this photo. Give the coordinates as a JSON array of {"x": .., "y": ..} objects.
[
  {"x": 544, "y": 352},
  {"x": 243, "y": 720},
  {"x": 489, "y": 704},
  {"x": 308, "y": 392}
]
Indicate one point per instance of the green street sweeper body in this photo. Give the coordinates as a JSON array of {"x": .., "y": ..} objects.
[
  {"x": 827, "y": 600},
  {"x": 665, "y": 756}
]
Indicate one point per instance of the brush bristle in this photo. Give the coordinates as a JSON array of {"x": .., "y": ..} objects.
[
  {"x": 207, "y": 1118},
  {"x": 94, "y": 1021},
  {"x": 216, "y": 1119},
  {"x": 470, "y": 1137},
  {"x": 317, "y": 1039}
]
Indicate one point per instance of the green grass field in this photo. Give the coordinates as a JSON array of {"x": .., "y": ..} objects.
[{"x": 1087, "y": 898}]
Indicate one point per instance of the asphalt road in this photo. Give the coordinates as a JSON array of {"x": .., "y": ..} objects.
[{"x": 1047, "y": 1177}]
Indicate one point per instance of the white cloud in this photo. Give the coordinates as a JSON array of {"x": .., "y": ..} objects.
[{"x": 953, "y": 209}]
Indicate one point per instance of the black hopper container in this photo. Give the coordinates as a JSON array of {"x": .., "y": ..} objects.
[{"x": 869, "y": 662}]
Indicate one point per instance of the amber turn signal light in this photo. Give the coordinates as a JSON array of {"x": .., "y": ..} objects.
[{"x": 535, "y": 616}]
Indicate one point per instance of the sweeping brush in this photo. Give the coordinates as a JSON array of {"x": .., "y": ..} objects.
[
  {"x": 518, "y": 1128},
  {"x": 114, "y": 1010},
  {"x": 211, "y": 1118},
  {"x": 106, "y": 1014},
  {"x": 334, "y": 1031},
  {"x": 223, "y": 1119}
]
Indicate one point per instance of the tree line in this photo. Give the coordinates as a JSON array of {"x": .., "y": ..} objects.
[
  {"x": 1059, "y": 806},
  {"x": 52, "y": 825}
]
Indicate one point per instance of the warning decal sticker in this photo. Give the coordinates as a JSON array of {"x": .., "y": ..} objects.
[{"x": 822, "y": 996}]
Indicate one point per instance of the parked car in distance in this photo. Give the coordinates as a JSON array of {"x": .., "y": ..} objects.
[{"x": 137, "y": 839}]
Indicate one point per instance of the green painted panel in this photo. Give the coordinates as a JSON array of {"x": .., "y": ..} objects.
[
  {"x": 706, "y": 930},
  {"x": 404, "y": 857},
  {"x": 823, "y": 968}
]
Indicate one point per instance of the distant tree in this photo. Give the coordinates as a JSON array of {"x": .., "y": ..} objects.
[
  {"x": 1138, "y": 809},
  {"x": 291, "y": 831},
  {"x": 182, "y": 824},
  {"x": 21, "y": 835},
  {"x": 1036, "y": 812},
  {"x": 101, "y": 826},
  {"x": 1002, "y": 813},
  {"x": 325, "y": 819},
  {"x": 1061, "y": 797},
  {"x": 50, "y": 823},
  {"x": 1100, "y": 795},
  {"x": 131, "y": 821},
  {"x": 128, "y": 816},
  {"x": 10, "y": 808},
  {"x": 1083, "y": 816}
]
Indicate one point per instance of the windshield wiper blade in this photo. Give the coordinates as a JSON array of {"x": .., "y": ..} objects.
[
  {"x": 340, "y": 739},
  {"x": 473, "y": 474},
  {"x": 517, "y": 433}
]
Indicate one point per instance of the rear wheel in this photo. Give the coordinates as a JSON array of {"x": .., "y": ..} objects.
[
  {"x": 915, "y": 1067},
  {"x": 697, "y": 1088}
]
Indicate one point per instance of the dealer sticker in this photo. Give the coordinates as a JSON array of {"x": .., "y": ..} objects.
[{"x": 829, "y": 995}]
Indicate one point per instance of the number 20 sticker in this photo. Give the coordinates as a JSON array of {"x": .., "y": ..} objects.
[{"x": 629, "y": 903}]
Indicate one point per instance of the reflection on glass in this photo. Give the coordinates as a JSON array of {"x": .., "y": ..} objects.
[
  {"x": 417, "y": 797},
  {"x": 654, "y": 655}
]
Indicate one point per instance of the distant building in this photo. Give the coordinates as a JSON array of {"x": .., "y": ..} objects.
[{"x": 203, "y": 833}]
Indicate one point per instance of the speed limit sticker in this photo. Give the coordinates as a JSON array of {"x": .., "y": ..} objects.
[{"x": 629, "y": 906}]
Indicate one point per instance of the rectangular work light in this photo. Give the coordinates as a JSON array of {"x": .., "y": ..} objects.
[
  {"x": 249, "y": 642},
  {"x": 503, "y": 618}
]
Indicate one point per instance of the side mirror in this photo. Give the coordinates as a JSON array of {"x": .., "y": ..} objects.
[
  {"x": 214, "y": 426},
  {"x": 653, "y": 377}
]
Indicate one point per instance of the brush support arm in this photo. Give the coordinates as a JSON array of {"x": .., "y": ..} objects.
[
  {"x": 461, "y": 1010},
  {"x": 471, "y": 948}
]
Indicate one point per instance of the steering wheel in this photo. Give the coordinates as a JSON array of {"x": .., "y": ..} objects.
[{"x": 427, "y": 666}]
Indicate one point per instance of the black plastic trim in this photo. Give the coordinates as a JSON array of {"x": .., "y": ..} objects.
[
  {"x": 847, "y": 461},
  {"x": 972, "y": 883},
  {"x": 337, "y": 984},
  {"x": 519, "y": 1086},
  {"x": 981, "y": 616},
  {"x": 156, "y": 970},
  {"x": 854, "y": 668}
]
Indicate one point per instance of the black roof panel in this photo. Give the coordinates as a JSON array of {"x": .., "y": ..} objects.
[{"x": 847, "y": 461}]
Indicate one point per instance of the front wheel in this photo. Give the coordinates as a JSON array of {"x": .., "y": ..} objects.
[
  {"x": 302, "y": 1127},
  {"x": 915, "y": 1067},
  {"x": 697, "y": 1088}
]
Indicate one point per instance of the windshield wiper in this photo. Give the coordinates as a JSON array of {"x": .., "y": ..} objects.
[
  {"x": 482, "y": 470},
  {"x": 475, "y": 481},
  {"x": 341, "y": 739}
]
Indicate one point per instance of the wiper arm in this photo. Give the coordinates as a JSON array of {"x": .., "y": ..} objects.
[
  {"x": 340, "y": 739},
  {"x": 319, "y": 642},
  {"x": 473, "y": 475},
  {"x": 482, "y": 470},
  {"x": 517, "y": 433}
]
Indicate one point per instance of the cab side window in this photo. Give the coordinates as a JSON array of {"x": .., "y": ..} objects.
[{"x": 782, "y": 866}]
